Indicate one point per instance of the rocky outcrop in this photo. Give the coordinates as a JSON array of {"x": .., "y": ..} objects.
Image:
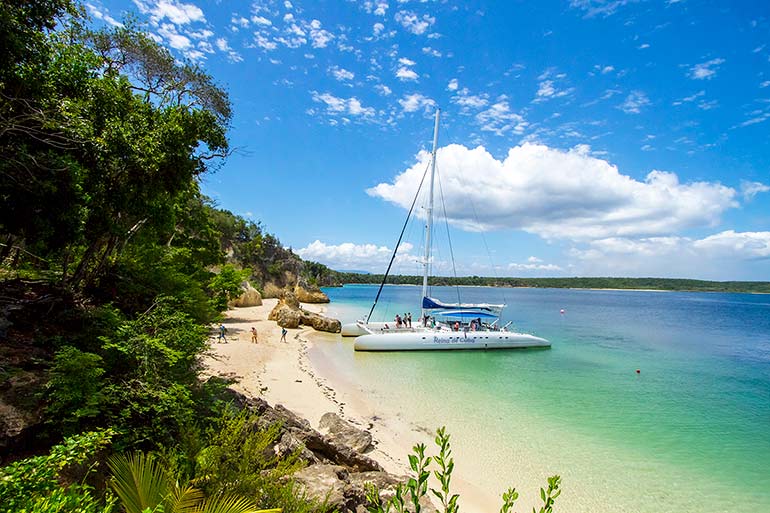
[
  {"x": 335, "y": 471},
  {"x": 345, "y": 433},
  {"x": 308, "y": 293},
  {"x": 319, "y": 322},
  {"x": 288, "y": 314},
  {"x": 249, "y": 297},
  {"x": 285, "y": 316}
]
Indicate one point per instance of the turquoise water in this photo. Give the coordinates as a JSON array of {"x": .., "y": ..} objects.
[{"x": 689, "y": 432}]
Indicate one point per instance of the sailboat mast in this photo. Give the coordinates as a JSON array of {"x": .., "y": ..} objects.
[{"x": 429, "y": 224}]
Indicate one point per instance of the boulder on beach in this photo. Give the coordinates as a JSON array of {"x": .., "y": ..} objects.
[
  {"x": 249, "y": 297},
  {"x": 343, "y": 432},
  {"x": 288, "y": 314},
  {"x": 319, "y": 322},
  {"x": 285, "y": 315}
]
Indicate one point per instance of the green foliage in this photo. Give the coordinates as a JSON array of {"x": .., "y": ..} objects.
[
  {"x": 226, "y": 285},
  {"x": 143, "y": 484},
  {"x": 509, "y": 499},
  {"x": 237, "y": 460},
  {"x": 74, "y": 390},
  {"x": 153, "y": 362},
  {"x": 549, "y": 495},
  {"x": 417, "y": 485},
  {"x": 443, "y": 474},
  {"x": 33, "y": 484}
]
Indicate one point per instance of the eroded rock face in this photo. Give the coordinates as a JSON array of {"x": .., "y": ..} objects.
[
  {"x": 309, "y": 293},
  {"x": 249, "y": 297},
  {"x": 342, "y": 432}
]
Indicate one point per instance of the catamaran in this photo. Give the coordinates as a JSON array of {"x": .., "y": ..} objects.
[{"x": 441, "y": 325}]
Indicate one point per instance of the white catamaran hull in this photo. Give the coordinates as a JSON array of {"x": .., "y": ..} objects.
[
  {"x": 354, "y": 329},
  {"x": 438, "y": 340}
]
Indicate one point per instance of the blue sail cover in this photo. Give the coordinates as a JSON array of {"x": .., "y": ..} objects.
[
  {"x": 466, "y": 314},
  {"x": 461, "y": 310}
]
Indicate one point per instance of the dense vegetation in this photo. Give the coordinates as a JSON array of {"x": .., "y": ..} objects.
[{"x": 334, "y": 278}]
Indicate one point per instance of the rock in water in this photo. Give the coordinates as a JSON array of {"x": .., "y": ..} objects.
[
  {"x": 342, "y": 432},
  {"x": 249, "y": 297}
]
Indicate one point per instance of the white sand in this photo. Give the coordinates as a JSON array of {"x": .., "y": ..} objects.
[{"x": 281, "y": 373}]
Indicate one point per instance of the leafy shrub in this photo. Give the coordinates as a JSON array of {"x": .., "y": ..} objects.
[
  {"x": 238, "y": 461},
  {"x": 33, "y": 484},
  {"x": 74, "y": 389}
]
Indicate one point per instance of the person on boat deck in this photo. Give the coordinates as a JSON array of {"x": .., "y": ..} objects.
[
  {"x": 398, "y": 321},
  {"x": 409, "y": 319},
  {"x": 473, "y": 325},
  {"x": 457, "y": 326}
]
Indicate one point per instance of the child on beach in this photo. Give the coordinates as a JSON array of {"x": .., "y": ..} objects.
[
  {"x": 253, "y": 334},
  {"x": 284, "y": 331},
  {"x": 222, "y": 331}
]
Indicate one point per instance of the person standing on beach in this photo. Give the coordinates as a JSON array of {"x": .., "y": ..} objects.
[
  {"x": 222, "y": 331},
  {"x": 254, "y": 334},
  {"x": 284, "y": 331}
]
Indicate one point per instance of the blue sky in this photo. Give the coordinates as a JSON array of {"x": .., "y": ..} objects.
[{"x": 578, "y": 137}]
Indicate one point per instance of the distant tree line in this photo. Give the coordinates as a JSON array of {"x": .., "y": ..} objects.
[{"x": 337, "y": 278}]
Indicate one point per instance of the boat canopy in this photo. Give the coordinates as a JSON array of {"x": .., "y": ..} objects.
[{"x": 439, "y": 308}]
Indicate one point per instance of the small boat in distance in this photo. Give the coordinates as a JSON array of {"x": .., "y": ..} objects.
[{"x": 442, "y": 326}]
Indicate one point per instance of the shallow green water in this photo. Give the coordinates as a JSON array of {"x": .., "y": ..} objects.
[{"x": 690, "y": 432}]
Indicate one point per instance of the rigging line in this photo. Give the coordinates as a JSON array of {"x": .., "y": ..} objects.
[
  {"x": 446, "y": 223},
  {"x": 489, "y": 254},
  {"x": 395, "y": 250}
]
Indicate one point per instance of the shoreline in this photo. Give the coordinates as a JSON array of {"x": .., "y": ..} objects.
[{"x": 284, "y": 373}]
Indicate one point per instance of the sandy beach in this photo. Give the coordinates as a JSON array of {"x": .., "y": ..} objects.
[{"x": 282, "y": 373}]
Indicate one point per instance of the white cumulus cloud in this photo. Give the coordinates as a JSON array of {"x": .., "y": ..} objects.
[
  {"x": 341, "y": 74},
  {"x": 342, "y": 106},
  {"x": 406, "y": 74},
  {"x": 706, "y": 70},
  {"x": 560, "y": 194},
  {"x": 364, "y": 257},
  {"x": 414, "y": 23},
  {"x": 178, "y": 13},
  {"x": 415, "y": 102}
]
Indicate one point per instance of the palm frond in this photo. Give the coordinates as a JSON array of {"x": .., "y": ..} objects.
[
  {"x": 139, "y": 480},
  {"x": 231, "y": 504},
  {"x": 185, "y": 500}
]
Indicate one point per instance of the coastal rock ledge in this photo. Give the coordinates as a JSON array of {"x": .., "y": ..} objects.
[{"x": 335, "y": 471}]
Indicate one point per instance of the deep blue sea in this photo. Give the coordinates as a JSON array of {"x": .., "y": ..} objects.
[{"x": 690, "y": 432}]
